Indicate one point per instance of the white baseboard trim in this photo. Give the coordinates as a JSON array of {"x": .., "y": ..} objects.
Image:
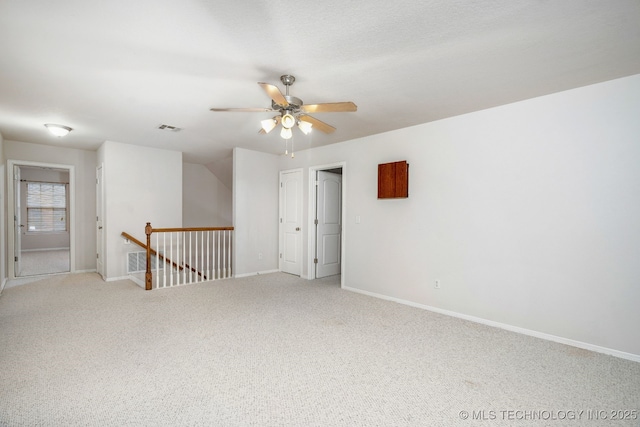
[
  {"x": 115, "y": 279},
  {"x": 257, "y": 273},
  {"x": 45, "y": 249},
  {"x": 505, "y": 326}
]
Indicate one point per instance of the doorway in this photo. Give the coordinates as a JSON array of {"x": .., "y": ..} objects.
[
  {"x": 290, "y": 222},
  {"x": 100, "y": 220},
  {"x": 326, "y": 205},
  {"x": 41, "y": 198}
]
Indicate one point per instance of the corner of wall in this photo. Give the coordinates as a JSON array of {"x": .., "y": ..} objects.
[{"x": 255, "y": 211}]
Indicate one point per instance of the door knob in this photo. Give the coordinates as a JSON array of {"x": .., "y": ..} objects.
[{"x": 297, "y": 228}]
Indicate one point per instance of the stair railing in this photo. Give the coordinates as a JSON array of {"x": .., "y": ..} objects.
[{"x": 186, "y": 255}]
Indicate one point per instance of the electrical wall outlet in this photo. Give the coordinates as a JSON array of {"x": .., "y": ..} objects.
[{"x": 436, "y": 284}]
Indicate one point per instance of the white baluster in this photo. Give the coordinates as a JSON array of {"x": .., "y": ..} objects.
[
  {"x": 169, "y": 266},
  {"x": 224, "y": 254},
  {"x": 157, "y": 259},
  {"x": 208, "y": 259},
  {"x": 218, "y": 264},
  {"x": 195, "y": 258},
  {"x": 202, "y": 256},
  {"x": 184, "y": 257},
  {"x": 164, "y": 259}
]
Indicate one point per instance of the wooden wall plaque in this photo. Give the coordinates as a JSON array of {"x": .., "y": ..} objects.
[{"x": 393, "y": 180}]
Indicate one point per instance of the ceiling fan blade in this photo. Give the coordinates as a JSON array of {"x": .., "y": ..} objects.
[
  {"x": 330, "y": 107},
  {"x": 242, "y": 110},
  {"x": 317, "y": 124},
  {"x": 275, "y": 94}
]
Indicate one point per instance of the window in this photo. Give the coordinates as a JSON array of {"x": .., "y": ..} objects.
[{"x": 46, "y": 207}]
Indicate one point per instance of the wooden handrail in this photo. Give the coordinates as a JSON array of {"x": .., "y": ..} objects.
[
  {"x": 174, "y": 230},
  {"x": 133, "y": 239},
  {"x": 152, "y": 251}
]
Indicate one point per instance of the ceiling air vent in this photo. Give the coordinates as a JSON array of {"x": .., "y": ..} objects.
[{"x": 169, "y": 128}]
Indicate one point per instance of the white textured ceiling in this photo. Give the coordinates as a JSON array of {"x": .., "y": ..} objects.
[{"x": 115, "y": 70}]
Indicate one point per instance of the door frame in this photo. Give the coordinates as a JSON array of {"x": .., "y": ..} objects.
[
  {"x": 100, "y": 209},
  {"x": 11, "y": 164},
  {"x": 281, "y": 227},
  {"x": 311, "y": 227}
]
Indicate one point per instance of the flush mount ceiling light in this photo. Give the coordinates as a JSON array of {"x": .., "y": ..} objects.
[{"x": 58, "y": 130}]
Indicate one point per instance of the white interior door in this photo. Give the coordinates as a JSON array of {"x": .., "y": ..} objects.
[
  {"x": 291, "y": 222},
  {"x": 329, "y": 223},
  {"x": 17, "y": 226},
  {"x": 99, "y": 226}
]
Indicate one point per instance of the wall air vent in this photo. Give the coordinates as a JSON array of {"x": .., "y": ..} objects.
[
  {"x": 169, "y": 128},
  {"x": 137, "y": 262}
]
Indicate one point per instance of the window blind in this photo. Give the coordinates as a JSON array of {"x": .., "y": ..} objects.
[{"x": 46, "y": 207}]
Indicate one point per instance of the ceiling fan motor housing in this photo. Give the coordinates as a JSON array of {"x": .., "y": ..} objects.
[{"x": 294, "y": 104}]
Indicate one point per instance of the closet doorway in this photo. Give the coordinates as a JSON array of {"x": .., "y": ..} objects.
[{"x": 326, "y": 239}]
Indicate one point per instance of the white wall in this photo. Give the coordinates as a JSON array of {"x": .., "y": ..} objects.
[
  {"x": 206, "y": 201},
  {"x": 3, "y": 207},
  {"x": 141, "y": 185},
  {"x": 255, "y": 211},
  {"x": 223, "y": 170},
  {"x": 528, "y": 214},
  {"x": 84, "y": 163}
]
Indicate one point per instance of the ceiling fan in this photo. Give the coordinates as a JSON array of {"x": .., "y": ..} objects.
[{"x": 292, "y": 111}]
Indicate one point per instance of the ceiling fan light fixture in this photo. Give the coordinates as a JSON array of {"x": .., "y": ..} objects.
[
  {"x": 268, "y": 125},
  {"x": 305, "y": 127},
  {"x": 286, "y": 133},
  {"x": 58, "y": 130},
  {"x": 290, "y": 110},
  {"x": 288, "y": 121}
]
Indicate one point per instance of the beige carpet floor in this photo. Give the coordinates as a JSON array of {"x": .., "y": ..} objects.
[{"x": 276, "y": 350}]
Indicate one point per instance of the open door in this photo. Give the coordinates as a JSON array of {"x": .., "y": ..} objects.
[
  {"x": 291, "y": 222},
  {"x": 328, "y": 223}
]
